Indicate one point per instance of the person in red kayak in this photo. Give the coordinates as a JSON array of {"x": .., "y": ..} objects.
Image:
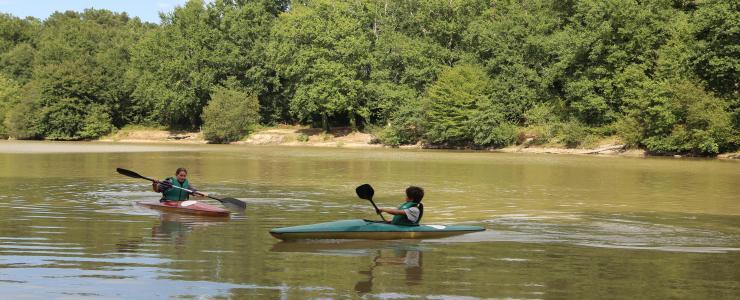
[
  {"x": 410, "y": 212},
  {"x": 169, "y": 187}
]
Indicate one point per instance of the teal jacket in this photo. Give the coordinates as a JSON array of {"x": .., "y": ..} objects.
[
  {"x": 403, "y": 219},
  {"x": 174, "y": 194}
]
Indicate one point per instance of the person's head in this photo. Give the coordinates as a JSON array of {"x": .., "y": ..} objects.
[
  {"x": 414, "y": 194},
  {"x": 181, "y": 174}
]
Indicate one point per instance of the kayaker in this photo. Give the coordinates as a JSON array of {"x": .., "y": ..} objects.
[
  {"x": 169, "y": 189},
  {"x": 410, "y": 212}
]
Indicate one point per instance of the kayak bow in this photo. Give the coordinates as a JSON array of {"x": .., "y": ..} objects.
[
  {"x": 371, "y": 230},
  {"x": 187, "y": 207}
]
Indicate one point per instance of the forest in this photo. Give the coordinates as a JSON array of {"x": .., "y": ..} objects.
[{"x": 659, "y": 75}]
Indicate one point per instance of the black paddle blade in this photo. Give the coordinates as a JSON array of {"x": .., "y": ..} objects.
[
  {"x": 128, "y": 173},
  {"x": 234, "y": 203},
  {"x": 365, "y": 191}
]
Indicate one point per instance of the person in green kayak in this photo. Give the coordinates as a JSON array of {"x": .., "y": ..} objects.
[
  {"x": 169, "y": 187},
  {"x": 410, "y": 212}
]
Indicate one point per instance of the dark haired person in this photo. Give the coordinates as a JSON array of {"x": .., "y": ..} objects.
[
  {"x": 169, "y": 187},
  {"x": 410, "y": 212}
]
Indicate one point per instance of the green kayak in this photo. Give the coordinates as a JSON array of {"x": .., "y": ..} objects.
[{"x": 371, "y": 230}]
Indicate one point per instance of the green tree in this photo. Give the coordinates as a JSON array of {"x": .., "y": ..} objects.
[
  {"x": 17, "y": 46},
  {"x": 82, "y": 61},
  {"x": 21, "y": 112},
  {"x": 246, "y": 29},
  {"x": 321, "y": 49},
  {"x": 9, "y": 92},
  {"x": 18, "y": 62},
  {"x": 608, "y": 37},
  {"x": 175, "y": 67},
  {"x": 402, "y": 68},
  {"x": 197, "y": 47},
  {"x": 522, "y": 48},
  {"x": 717, "y": 60}
]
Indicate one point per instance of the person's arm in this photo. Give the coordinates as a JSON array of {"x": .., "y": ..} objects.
[
  {"x": 197, "y": 193},
  {"x": 411, "y": 213},
  {"x": 392, "y": 211},
  {"x": 161, "y": 186}
]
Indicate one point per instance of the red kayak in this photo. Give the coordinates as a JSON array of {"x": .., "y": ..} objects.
[{"x": 187, "y": 207}]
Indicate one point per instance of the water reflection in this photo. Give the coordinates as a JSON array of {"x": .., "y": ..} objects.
[
  {"x": 409, "y": 260},
  {"x": 170, "y": 226},
  {"x": 386, "y": 257},
  {"x": 175, "y": 226}
]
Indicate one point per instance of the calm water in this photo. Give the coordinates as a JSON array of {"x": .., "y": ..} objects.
[{"x": 557, "y": 226}]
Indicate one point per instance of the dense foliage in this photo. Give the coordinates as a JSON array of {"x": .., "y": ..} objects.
[{"x": 659, "y": 74}]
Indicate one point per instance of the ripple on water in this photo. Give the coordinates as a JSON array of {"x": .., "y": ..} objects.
[{"x": 605, "y": 232}]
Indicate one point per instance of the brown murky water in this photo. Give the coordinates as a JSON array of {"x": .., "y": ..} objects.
[{"x": 557, "y": 226}]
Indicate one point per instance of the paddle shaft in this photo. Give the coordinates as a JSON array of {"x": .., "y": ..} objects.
[
  {"x": 133, "y": 174},
  {"x": 377, "y": 210}
]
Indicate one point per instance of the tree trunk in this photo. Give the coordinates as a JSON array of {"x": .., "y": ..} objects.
[
  {"x": 352, "y": 120},
  {"x": 324, "y": 122}
]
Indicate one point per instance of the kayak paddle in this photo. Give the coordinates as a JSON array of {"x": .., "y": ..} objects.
[
  {"x": 366, "y": 192},
  {"x": 229, "y": 202}
]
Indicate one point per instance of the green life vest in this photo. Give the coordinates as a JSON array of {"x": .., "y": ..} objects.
[
  {"x": 175, "y": 194},
  {"x": 403, "y": 220}
]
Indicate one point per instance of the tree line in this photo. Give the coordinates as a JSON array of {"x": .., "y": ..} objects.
[{"x": 658, "y": 74}]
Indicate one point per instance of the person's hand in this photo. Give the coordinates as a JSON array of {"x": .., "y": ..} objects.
[
  {"x": 165, "y": 184},
  {"x": 202, "y": 194},
  {"x": 378, "y": 210}
]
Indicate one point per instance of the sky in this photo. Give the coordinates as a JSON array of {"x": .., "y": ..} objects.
[{"x": 146, "y": 10}]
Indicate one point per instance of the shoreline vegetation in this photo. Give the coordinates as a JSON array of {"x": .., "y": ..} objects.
[
  {"x": 581, "y": 76},
  {"x": 302, "y": 136}
]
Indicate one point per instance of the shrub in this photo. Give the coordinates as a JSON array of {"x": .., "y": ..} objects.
[
  {"x": 630, "y": 131},
  {"x": 97, "y": 122},
  {"x": 230, "y": 115},
  {"x": 540, "y": 114},
  {"x": 573, "y": 133},
  {"x": 388, "y": 136},
  {"x": 451, "y": 104},
  {"x": 679, "y": 117},
  {"x": 302, "y": 137},
  {"x": 490, "y": 128},
  {"x": 403, "y": 127}
]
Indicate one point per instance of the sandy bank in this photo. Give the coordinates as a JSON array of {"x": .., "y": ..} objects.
[
  {"x": 345, "y": 138},
  {"x": 147, "y": 135},
  {"x": 299, "y": 136}
]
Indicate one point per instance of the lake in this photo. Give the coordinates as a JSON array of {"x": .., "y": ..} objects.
[{"x": 558, "y": 226}]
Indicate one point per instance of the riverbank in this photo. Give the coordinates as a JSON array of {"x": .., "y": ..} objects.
[
  {"x": 343, "y": 137},
  {"x": 135, "y": 134}
]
